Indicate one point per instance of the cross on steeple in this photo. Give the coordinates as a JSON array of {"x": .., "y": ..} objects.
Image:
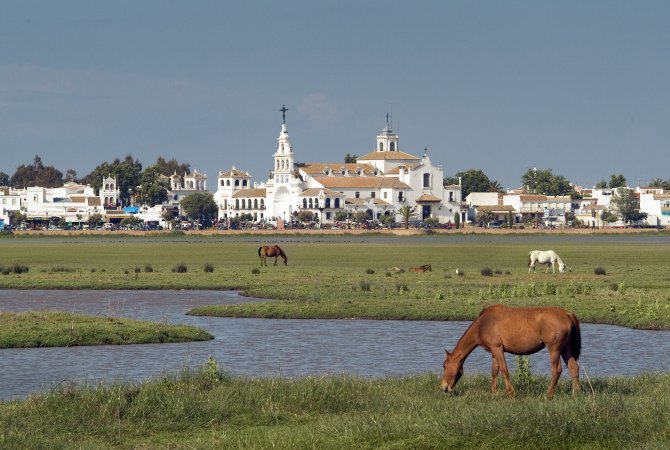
[
  {"x": 387, "y": 119},
  {"x": 283, "y": 113}
]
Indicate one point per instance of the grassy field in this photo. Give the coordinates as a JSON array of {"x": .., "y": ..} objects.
[
  {"x": 208, "y": 409},
  {"x": 347, "y": 278},
  {"x": 624, "y": 282},
  {"x": 64, "y": 329}
]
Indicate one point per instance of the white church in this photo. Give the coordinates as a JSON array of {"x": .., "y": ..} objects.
[{"x": 379, "y": 183}]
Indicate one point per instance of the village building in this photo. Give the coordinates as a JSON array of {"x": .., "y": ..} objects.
[{"x": 379, "y": 183}]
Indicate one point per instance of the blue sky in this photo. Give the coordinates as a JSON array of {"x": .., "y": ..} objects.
[{"x": 579, "y": 87}]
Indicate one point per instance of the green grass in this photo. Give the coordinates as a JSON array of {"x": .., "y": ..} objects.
[
  {"x": 343, "y": 279},
  {"x": 62, "y": 329},
  {"x": 209, "y": 409}
]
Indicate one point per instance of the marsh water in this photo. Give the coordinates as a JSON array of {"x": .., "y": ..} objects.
[{"x": 286, "y": 348}]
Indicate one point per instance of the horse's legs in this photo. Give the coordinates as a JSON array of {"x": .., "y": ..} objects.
[
  {"x": 555, "y": 364},
  {"x": 573, "y": 367},
  {"x": 494, "y": 374},
  {"x": 499, "y": 356},
  {"x": 276, "y": 260}
]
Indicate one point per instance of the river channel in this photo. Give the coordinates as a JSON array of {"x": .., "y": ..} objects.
[{"x": 278, "y": 348}]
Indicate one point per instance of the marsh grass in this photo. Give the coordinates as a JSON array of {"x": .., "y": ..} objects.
[
  {"x": 210, "y": 408},
  {"x": 314, "y": 286},
  {"x": 62, "y": 329}
]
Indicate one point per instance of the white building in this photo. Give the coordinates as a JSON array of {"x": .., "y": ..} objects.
[{"x": 379, "y": 183}]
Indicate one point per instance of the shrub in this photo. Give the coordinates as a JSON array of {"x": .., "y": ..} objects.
[
  {"x": 599, "y": 271},
  {"x": 209, "y": 268},
  {"x": 255, "y": 270},
  {"x": 62, "y": 269},
  {"x": 498, "y": 272},
  {"x": 19, "y": 268},
  {"x": 401, "y": 287},
  {"x": 138, "y": 269},
  {"x": 369, "y": 271},
  {"x": 180, "y": 268},
  {"x": 364, "y": 285},
  {"x": 148, "y": 268},
  {"x": 487, "y": 272}
]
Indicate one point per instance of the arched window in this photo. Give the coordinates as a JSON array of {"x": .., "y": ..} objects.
[
  {"x": 304, "y": 203},
  {"x": 227, "y": 182},
  {"x": 337, "y": 203},
  {"x": 262, "y": 203},
  {"x": 381, "y": 146},
  {"x": 426, "y": 180},
  {"x": 237, "y": 203},
  {"x": 223, "y": 183},
  {"x": 244, "y": 204},
  {"x": 327, "y": 203},
  {"x": 392, "y": 146},
  {"x": 244, "y": 182},
  {"x": 237, "y": 183},
  {"x": 255, "y": 203},
  {"x": 310, "y": 203}
]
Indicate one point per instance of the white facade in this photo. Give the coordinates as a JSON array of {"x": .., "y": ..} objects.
[{"x": 379, "y": 183}]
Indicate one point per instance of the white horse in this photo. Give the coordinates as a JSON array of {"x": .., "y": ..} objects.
[{"x": 548, "y": 257}]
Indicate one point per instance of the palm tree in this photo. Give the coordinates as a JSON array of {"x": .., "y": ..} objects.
[
  {"x": 656, "y": 182},
  {"x": 495, "y": 186},
  {"x": 407, "y": 212}
]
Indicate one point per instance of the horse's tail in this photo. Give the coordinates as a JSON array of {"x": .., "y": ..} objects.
[
  {"x": 259, "y": 251},
  {"x": 575, "y": 337}
]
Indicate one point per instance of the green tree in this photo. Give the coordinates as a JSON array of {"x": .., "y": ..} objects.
[
  {"x": 350, "y": 159},
  {"x": 171, "y": 167},
  {"x": 656, "y": 182},
  {"x": 4, "y": 179},
  {"x": 407, "y": 213},
  {"x": 36, "y": 174},
  {"x": 341, "y": 216},
  {"x": 200, "y": 207},
  {"x": 153, "y": 191},
  {"x": 126, "y": 172},
  {"x": 544, "y": 182},
  {"x": 473, "y": 180},
  {"x": 457, "y": 220},
  {"x": 305, "y": 216},
  {"x": 602, "y": 184},
  {"x": 617, "y": 181},
  {"x": 495, "y": 186},
  {"x": 627, "y": 205},
  {"x": 94, "y": 220}
]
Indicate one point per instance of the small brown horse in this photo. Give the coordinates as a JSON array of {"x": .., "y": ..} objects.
[
  {"x": 266, "y": 250},
  {"x": 424, "y": 268},
  {"x": 520, "y": 331}
]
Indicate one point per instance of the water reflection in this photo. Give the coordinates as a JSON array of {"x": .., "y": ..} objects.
[{"x": 260, "y": 347}]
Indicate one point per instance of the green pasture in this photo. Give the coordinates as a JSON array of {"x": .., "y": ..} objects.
[
  {"x": 209, "y": 409},
  {"x": 64, "y": 329},
  {"x": 348, "y": 277}
]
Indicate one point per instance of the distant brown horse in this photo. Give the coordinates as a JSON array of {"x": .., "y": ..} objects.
[
  {"x": 520, "y": 331},
  {"x": 424, "y": 268},
  {"x": 266, "y": 250}
]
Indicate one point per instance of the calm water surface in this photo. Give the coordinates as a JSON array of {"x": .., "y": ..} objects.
[{"x": 261, "y": 347}]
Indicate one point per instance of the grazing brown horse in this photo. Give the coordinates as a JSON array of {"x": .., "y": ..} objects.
[
  {"x": 424, "y": 268},
  {"x": 520, "y": 331},
  {"x": 271, "y": 250}
]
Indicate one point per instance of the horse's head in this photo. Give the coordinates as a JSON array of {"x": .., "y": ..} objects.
[
  {"x": 453, "y": 371},
  {"x": 561, "y": 267}
]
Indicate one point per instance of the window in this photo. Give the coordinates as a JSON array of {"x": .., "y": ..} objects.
[
  {"x": 244, "y": 182},
  {"x": 304, "y": 203},
  {"x": 372, "y": 194},
  {"x": 357, "y": 195},
  {"x": 310, "y": 203},
  {"x": 222, "y": 183},
  {"x": 426, "y": 180},
  {"x": 400, "y": 199},
  {"x": 237, "y": 203},
  {"x": 451, "y": 196},
  {"x": 384, "y": 195},
  {"x": 255, "y": 203},
  {"x": 381, "y": 146},
  {"x": 237, "y": 183},
  {"x": 337, "y": 203},
  {"x": 327, "y": 215},
  {"x": 327, "y": 203},
  {"x": 244, "y": 204},
  {"x": 392, "y": 148}
]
